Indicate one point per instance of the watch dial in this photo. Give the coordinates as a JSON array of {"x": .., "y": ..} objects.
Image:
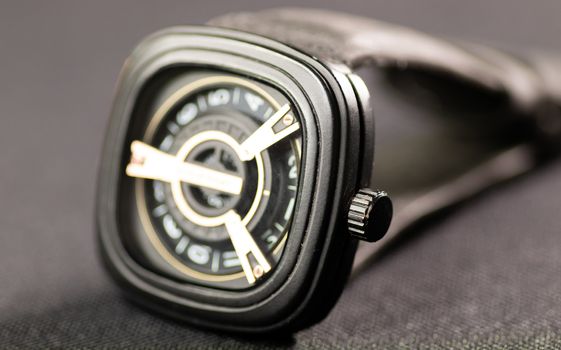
[{"x": 215, "y": 173}]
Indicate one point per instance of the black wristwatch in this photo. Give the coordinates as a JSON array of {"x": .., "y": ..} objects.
[{"x": 237, "y": 173}]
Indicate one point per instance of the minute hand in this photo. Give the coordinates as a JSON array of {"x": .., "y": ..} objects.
[{"x": 265, "y": 136}]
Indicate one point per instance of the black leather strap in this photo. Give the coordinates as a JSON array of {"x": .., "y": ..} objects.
[
  {"x": 357, "y": 41},
  {"x": 522, "y": 95}
]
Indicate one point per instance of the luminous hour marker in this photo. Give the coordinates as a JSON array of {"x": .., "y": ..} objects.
[
  {"x": 266, "y": 193},
  {"x": 215, "y": 261},
  {"x": 199, "y": 254},
  {"x": 171, "y": 227},
  {"x": 159, "y": 191},
  {"x": 166, "y": 143},
  {"x": 230, "y": 259},
  {"x": 279, "y": 227},
  {"x": 180, "y": 247},
  {"x": 186, "y": 114},
  {"x": 289, "y": 209},
  {"x": 253, "y": 101},
  {"x": 202, "y": 103},
  {"x": 236, "y": 96},
  {"x": 219, "y": 97},
  {"x": 267, "y": 113},
  {"x": 173, "y": 128},
  {"x": 160, "y": 210},
  {"x": 292, "y": 187}
]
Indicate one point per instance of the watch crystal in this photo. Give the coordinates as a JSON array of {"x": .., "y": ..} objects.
[{"x": 215, "y": 176}]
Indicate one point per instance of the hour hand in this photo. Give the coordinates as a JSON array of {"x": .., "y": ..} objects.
[
  {"x": 148, "y": 162},
  {"x": 266, "y": 136}
]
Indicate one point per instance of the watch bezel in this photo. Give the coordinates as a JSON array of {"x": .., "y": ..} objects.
[{"x": 289, "y": 298}]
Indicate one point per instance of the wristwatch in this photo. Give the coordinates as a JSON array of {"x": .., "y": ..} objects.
[{"x": 237, "y": 172}]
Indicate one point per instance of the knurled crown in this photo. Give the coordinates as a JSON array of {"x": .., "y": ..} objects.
[{"x": 369, "y": 215}]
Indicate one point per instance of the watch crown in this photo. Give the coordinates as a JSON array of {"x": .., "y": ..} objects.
[{"x": 370, "y": 214}]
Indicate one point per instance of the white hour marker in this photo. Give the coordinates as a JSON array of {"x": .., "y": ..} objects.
[
  {"x": 202, "y": 103},
  {"x": 289, "y": 209},
  {"x": 236, "y": 96},
  {"x": 159, "y": 191},
  {"x": 171, "y": 227},
  {"x": 253, "y": 101},
  {"x": 160, "y": 210},
  {"x": 268, "y": 113},
  {"x": 186, "y": 114},
  {"x": 180, "y": 247},
  {"x": 215, "y": 261},
  {"x": 166, "y": 143},
  {"x": 199, "y": 254},
  {"x": 173, "y": 128},
  {"x": 219, "y": 97},
  {"x": 230, "y": 259}
]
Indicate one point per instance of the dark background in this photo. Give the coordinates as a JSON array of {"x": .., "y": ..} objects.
[{"x": 486, "y": 277}]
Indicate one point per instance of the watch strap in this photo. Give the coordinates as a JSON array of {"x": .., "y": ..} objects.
[{"x": 357, "y": 42}]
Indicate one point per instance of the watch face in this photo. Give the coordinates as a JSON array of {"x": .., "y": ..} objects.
[{"x": 211, "y": 178}]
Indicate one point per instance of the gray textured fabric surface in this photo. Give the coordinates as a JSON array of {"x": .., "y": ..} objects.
[{"x": 485, "y": 277}]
